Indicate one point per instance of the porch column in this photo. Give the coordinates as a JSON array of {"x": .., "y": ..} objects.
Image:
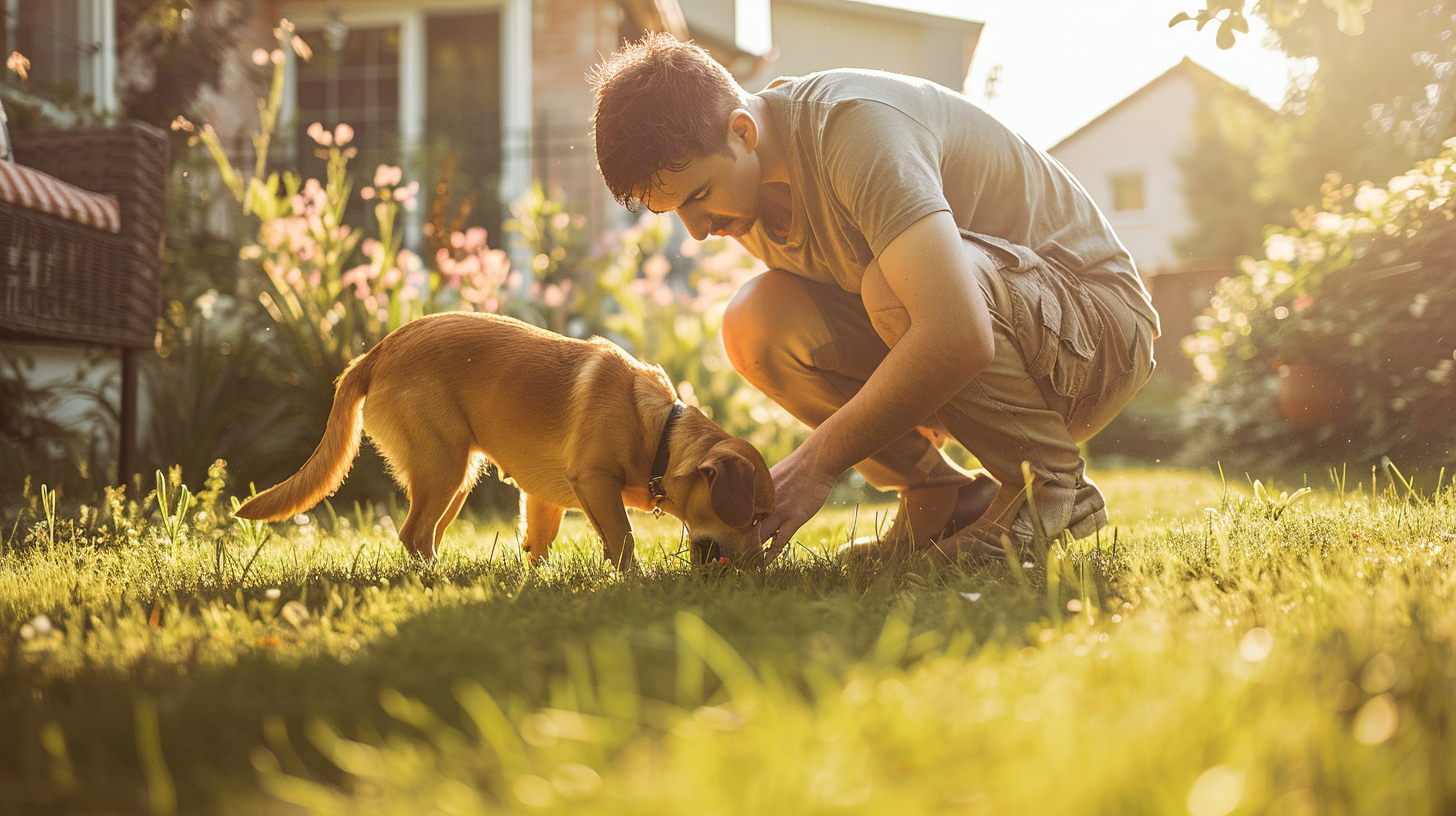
[
  {"x": 413, "y": 91},
  {"x": 516, "y": 94}
]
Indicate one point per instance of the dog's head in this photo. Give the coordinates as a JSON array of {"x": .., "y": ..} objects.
[{"x": 720, "y": 487}]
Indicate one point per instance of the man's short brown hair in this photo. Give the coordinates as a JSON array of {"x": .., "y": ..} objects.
[{"x": 660, "y": 103}]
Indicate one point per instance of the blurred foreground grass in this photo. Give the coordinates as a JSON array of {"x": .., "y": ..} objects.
[{"x": 1213, "y": 652}]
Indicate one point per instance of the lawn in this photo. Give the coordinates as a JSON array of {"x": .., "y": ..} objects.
[{"x": 1217, "y": 651}]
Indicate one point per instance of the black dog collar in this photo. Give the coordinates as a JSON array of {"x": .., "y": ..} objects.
[{"x": 659, "y": 462}]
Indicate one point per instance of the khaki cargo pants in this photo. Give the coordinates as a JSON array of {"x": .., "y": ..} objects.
[{"x": 1070, "y": 353}]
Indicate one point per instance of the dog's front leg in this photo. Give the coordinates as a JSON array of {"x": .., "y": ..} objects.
[{"x": 600, "y": 494}]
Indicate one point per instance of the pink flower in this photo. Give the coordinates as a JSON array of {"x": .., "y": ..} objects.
[
  {"x": 1302, "y": 302},
  {"x": 656, "y": 268},
  {"x": 387, "y": 175},
  {"x": 343, "y": 134},
  {"x": 318, "y": 134}
]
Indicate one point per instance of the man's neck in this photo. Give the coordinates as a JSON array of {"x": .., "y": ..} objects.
[{"x": 770, "y": 145}]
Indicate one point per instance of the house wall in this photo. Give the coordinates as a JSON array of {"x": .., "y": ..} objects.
[
  {"x": 812, "y": 37},
  {"x": 569, "y": 38},
  {"x": 1146, "y": 136}
]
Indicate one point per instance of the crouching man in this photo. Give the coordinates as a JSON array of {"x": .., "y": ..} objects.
[{"x": 931, "y": 275}]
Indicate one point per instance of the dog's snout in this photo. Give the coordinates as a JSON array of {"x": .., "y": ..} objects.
[{"x": 706, "y": 551}]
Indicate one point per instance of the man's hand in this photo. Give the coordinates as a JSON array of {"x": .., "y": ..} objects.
[{"x": 800, "y": 489}]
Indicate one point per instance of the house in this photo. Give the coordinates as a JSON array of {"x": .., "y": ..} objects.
[
  {"x": 1128, "y": 159},
  {"x": 803, "y": 36}
]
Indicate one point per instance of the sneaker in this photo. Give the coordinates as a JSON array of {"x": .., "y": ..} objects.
[
  {"x": 988, "y": 539},
  {"x": 919, "y": 510},
  {"x": 1087, "y": 516}
]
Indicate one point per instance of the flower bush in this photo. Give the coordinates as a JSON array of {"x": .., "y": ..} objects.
[{"x": 1364, "y": 289}]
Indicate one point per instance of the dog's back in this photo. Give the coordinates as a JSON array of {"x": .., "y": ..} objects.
[{"x": 443, "y": 393}]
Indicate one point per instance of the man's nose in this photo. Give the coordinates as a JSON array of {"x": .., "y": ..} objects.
[{"x": 697, "y": 225}]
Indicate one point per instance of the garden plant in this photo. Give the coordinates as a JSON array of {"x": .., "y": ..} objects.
[{"x": 1357, "y": 304}]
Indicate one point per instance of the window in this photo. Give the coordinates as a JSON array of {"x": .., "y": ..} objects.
[
  {"x": 352, "y": 79},
  {"x": 68, "y": 44},
  {"x": 1127, "y": 192},
  {"x": 463, "y": 111}
]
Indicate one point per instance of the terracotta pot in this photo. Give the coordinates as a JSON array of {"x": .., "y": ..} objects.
[{"x": 1309, "y": 394}]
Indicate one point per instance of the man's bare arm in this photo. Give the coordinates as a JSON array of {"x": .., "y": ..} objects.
[{"x": 923, "y": 297}]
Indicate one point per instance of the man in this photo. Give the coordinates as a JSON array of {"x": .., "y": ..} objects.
[{"x": 930, "y": 274}]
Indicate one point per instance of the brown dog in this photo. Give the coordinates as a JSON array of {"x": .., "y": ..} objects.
[{"x": 573, "y": 423}]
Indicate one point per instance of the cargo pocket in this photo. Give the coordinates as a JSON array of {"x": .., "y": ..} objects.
[{"x": 1053, "y": 319}]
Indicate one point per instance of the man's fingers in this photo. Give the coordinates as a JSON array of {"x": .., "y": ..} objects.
[{"x": 778, "y": 539}]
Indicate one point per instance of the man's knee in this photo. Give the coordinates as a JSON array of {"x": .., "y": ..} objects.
[{"x": 761, "y": 321}]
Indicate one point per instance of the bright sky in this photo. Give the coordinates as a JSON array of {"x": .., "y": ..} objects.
[{"x": 1064, "y": 62}]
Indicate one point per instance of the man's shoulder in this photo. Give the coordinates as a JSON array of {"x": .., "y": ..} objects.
[{"x": 849, "y": 84}]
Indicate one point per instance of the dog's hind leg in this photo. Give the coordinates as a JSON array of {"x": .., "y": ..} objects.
[
  {"x": 437, "y": 486},
  {"x": 450, "y": 513},
  {"x": 543, "y": 521}
]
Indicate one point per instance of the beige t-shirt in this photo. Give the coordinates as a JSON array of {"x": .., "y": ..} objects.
[{"x": 870, "y": 153}]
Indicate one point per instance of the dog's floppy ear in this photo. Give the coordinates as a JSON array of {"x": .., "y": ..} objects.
[{"x": 730, "y": 482}]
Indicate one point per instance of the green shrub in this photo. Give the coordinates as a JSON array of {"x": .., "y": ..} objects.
[{"x": 1363, "y": 289}]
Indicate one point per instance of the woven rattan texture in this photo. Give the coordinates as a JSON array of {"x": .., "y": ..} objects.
[{"x": 66, "y": 282}]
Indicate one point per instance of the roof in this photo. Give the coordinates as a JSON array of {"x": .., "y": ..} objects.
[
  {"x": 869, "y": 8},
  {"x": 1185, "y": 67},
  {"x": 659, "y": 15}
]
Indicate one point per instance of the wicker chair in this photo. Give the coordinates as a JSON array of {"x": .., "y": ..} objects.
[{"x": 65, "y": 283}]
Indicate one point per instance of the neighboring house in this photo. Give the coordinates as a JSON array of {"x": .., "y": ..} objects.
[
  {"x": 803, "y": 36},
  {"x": 1128, "y": 160}
]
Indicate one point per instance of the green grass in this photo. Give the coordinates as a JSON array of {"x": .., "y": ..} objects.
[{"x": 1215, "y": 652}]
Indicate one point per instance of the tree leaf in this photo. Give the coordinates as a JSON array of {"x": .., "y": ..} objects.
[{"x": 1225, "y": 36}]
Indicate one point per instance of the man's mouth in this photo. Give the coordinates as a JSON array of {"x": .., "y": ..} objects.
[{"x": 733, "y": 229}]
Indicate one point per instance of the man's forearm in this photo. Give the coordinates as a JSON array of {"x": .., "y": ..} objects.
[{"x": 919, "y": 375}]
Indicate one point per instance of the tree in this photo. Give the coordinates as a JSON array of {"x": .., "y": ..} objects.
[
  {"x": 1220, "y": 173},
  {"x": 1233, "y": 20},
  {"x": 1376, "y": 104},
  {"x": 1379, "y": 99}
]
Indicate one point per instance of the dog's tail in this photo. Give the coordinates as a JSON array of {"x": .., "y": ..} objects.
[{"x": 324, "y": 471}]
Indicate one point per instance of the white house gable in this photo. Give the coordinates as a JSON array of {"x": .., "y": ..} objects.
[{"x": 1127, "y": 159}]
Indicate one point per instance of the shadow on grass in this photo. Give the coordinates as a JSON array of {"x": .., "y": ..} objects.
[{"x": 520, "y": 634}]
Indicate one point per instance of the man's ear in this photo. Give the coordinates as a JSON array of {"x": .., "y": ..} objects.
[{"x": 744, "y": 127}]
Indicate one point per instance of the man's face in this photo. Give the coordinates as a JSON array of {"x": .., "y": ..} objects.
[{"x": 713, "y": 195}]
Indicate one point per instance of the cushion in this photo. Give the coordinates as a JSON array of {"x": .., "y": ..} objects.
[{"x": 29, "y": 188}]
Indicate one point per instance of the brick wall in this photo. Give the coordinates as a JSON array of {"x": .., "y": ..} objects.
[{"x": 568, "y": 38}]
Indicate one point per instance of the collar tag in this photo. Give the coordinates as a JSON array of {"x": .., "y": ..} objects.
[{"x": 659, "y": 460}]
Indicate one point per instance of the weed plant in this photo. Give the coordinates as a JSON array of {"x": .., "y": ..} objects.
[{"x": 1221, "y": 649}]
